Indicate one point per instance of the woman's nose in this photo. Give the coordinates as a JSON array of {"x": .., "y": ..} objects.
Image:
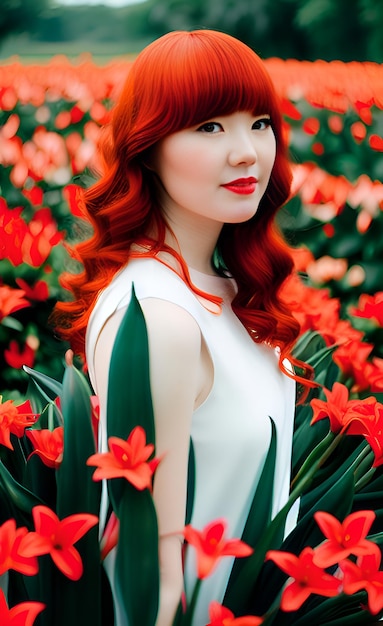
[{"x": 243, "y": 151}]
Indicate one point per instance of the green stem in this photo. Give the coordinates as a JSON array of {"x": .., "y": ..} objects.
[
  {"x": 364, "y": 480},
  {"x": 187, "y": 620},
  {"x": 328, "y": 444},
  {"x": 363, "y": 462}
]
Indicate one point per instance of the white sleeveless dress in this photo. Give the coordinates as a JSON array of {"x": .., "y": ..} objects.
[{"x": 231, "y": 430}]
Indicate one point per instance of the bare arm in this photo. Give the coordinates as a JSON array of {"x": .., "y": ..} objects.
[{"x": 175, "y": 357}]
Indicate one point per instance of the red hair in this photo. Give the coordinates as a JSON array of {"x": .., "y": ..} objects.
[{"x": 180, "y": 80}]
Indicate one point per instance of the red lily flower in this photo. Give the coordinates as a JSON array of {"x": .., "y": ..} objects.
[
  {"x": 344, "y": 538},
  {"x": 367, "y": 420},
  {"x": 127, "y": 459},
  {"x": 221, "y": 616},
  {"x": 56, "y": 537},
  {"x": 10, "y": 556},
  {"x": 23, "y": 614},
  {"x": 307, "y": 577},
  {"x": 365, "y": 574},
  {"x": 48, "y": 445},
  {"x": 11, "y": 300},
  {"x": 211, "y": 545},
  {"x": 14, "y": 420},
  {"x": 336, "y": 407}
]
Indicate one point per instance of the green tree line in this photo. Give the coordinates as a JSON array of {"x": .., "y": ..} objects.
[{"x": 303, "y": 29}]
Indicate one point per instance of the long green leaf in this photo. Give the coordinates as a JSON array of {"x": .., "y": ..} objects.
[
  {"x": 49, "y": 387},
  {"x": 78, "y": 602},
  {"x": 137, "y": 567},
  {"x": 129, "y": 404},
  {"x": 259, "y": 515},
  {"x": 17, "y": 501}
]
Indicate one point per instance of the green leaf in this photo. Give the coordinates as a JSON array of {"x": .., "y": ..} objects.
[
  {"x": 16, "y": 500},
  {"x": 338, "y": 611},
  {"x": 47, "y": 386},
  {"x": 129, "y": 394},
  {"x": 259, "y": 515},
  {"x": 12, "y": 323},
  {"x": 191, "y": 484},
  {"x": 78, "y": 602},
  {"x": 129, "y": 404},
  {"x": 338, "y": 502},
  {"x": 137, "y": 566}
]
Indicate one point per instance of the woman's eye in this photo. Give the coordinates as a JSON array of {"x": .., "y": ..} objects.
[
  {"x": 262, "y": 123},
  {"x": 210, "y": 127}
]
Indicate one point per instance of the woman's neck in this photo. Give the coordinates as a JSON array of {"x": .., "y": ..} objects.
[{"x": 195, "y": 240}]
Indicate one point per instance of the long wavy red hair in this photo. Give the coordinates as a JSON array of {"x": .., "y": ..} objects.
[{"x": 183, "y": 79}]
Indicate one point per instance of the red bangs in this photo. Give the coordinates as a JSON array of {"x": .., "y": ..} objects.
[{"x": 188, "y": 77}]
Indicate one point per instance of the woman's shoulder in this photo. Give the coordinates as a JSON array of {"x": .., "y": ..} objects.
[{"x": 151, "y": 280}]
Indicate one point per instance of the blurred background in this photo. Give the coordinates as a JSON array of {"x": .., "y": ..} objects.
[{"x": 348, "y": 30}]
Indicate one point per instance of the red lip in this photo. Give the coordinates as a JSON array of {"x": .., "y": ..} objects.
[{"x": 243, "y": 186}]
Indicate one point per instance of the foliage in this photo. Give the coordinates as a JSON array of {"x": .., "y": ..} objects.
[
  {"x": 282, "y": 28},
  {"x": 20, "y": 16}
]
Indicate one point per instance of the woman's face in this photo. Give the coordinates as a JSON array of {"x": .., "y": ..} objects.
[{"x": 218, "y": 170}]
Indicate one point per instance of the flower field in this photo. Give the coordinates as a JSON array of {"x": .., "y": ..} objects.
[{"x": 50, "y": 119}]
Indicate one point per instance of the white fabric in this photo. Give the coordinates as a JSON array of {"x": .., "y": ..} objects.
[{"x": 231, "y": 429}]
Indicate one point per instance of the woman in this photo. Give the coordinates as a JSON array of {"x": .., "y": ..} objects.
[{"x": 194, "y": 171}]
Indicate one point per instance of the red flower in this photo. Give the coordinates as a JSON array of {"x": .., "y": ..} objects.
[
  {"x": 307, "y": 577},
  {"x": 313, "y": 308},
  {"x": 16, "y": 356},
  {"x": 311, "y": 125},
  {"x": 127, "y": 459},
  {"x": 23, "y": 614},
  {"x": 352, "y": 360},
  {"x": 10, "y": 556},
  {"x": 376, "y": 142},
  {"x": 74, "y": 195},
  {"x": 12, "y": 232},
  {"x": 370, "y": 307},
  {"x": 210, "y": 546},
  {"x": 48, "y": 445},
  {"x": 14, "y": 419},
  {"x": 336, "y": 407},
  {"x": 344, "y": 538},
  {"x": 365, "y": 574},
  {"x": 56, "y": 537},
  {"x": 221, "y": 616},
  {"x": 11, "y": 300},
  {"x": 38, "y": 292},
  {"x": 35, "y": 195},
  {"x": 367, "y": 420},
  {"x": 42, "y": 235}
]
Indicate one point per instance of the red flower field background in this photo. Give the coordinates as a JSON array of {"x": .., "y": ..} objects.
[{"x": 50, "y": 119}]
